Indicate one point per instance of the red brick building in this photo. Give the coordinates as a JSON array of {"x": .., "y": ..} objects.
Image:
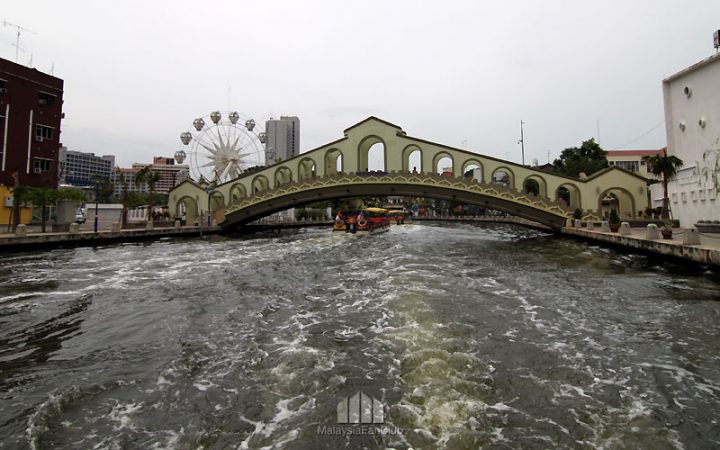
[{"x": 30, "y": 114}]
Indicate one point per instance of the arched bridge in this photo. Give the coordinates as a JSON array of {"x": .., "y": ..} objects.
[{"x": 410, "y": 167}]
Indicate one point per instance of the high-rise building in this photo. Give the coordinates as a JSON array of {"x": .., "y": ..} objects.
[
  {"x": 283, "y": 139},
  {"x": 171, "y": 174},
  {"x": 83, "y": 169},
  {"x": 30, "y": 114}
]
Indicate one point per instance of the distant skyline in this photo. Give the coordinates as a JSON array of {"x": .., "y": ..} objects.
[{"x": 462, "y": 73}]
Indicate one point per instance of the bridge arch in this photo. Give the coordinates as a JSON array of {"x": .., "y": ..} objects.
[
  {"x": 503, "y": 176},
  {"x": 337, "y": 163},
  {"x": 364, "y": 153},
  {"x": 534, "y": 183},
  {"x": 569, "y": 195},
  {"x": 260, "y": 184},
  {"x": 334, "y": 162},
  {"x": 283, "y": 175},
  {"x": 474, "y": 164},
  {"x": 237, "y": 193},
  {"x": 217, "y": 200},
  {"x": 624, "y": 203},
  {"x": 438, "y": 158},
  {"x": 188, "y": 207},
  {"x": 307, "y": 169},
  {"x": 427, "y": 185},
  {"x": 412, "y": 159}
]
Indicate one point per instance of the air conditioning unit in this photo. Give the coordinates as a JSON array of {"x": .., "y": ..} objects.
[
  {"x": 8, "y": 202},
  {"x": 37, "y": 170},
  {"x": 39, "y": 138},
  {"x": 42, "y": 101}
]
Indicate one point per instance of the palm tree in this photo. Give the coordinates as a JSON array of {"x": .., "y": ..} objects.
[
  {"x": 664, "y": 166},
  {"x": 149, "y": 176}
]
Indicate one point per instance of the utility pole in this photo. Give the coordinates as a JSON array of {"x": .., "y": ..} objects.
[
  {"x": 17, "y": 40},
  {"x": 522, "y": 142}
]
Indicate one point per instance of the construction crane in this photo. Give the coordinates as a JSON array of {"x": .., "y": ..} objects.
[{"x": 17, "y": 41}]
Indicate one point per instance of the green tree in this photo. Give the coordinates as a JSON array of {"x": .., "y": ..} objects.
[
  {"x": 20, "y": 194},
  {"x": 531, "y": 187},
  {"x": 105, "y": 190},
  {"x": 151, "y": 177},
  {"x": 588, "y": 158},
  {"x": 44, "y": 197},
  {"x": 666, "y": 167}
]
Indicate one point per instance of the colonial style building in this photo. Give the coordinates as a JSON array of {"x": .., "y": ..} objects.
[
  {"x": 632, "y": 160},
  {"x": 30, "y": 114},
  {"x": 692, "y": 123}
]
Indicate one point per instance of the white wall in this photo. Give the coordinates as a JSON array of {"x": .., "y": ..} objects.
[{"x": 693, "y": 194}]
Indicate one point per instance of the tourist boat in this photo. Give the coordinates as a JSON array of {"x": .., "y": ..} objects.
[
  {"x": 373, "y": 220},
  {"x": 398, "y": 215},
  {"x": 345, "y": 222},
  {"x": 365, "y": 221}
]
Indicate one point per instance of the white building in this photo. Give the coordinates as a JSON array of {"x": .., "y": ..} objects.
[
  {"x": 283, "y": 139},
  {"x": 83, "y": 169},
  {"x": 692, "y": 123}
]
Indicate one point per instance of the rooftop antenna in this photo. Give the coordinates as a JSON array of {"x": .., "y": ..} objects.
[
  {"x": 522, "y": 142},
  {"x": 17, "y": 40}
]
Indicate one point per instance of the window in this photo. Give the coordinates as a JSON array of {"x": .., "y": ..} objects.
[
  {"x": 45, "y": 99},
  {"x": 42, "y": 132},
  {"x": 42, "y": 165},
  {"x": 3, "y": 86},
  {"x": 630, "y": 166}
]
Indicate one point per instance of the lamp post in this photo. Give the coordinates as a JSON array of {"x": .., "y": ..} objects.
[
  {"x": 209, "y": 193},
  {"x": 97, "y": 201}
]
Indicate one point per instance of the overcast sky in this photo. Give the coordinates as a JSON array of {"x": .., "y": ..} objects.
[{"x": 461, "y": 73}]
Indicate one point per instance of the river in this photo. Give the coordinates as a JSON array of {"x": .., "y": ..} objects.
[{"x": 466, "y": 336}]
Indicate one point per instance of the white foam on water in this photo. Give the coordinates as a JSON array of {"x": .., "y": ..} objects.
[
  {"x": 121, "y": 412},
  {"x": 265, "y": 429},
  {"x": 204, "y": 385}
]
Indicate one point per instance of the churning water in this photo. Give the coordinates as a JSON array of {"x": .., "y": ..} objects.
[{"x": 488, "y": 336}]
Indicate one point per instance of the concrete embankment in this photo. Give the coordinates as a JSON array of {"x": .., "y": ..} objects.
[
  {"x": 11, "y": 242},
  {"x": 706, "y": 253},
  {"x": 488, "y": 219}
]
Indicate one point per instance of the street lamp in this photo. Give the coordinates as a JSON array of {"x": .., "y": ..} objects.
[
  {"x": 97, "y": 200},
  {"x": 209, "y": 193}
]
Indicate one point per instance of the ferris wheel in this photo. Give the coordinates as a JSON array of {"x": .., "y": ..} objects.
[{"x": 224, "y": 145}]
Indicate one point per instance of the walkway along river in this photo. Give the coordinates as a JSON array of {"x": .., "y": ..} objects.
[{"x": 468, "y": 336}]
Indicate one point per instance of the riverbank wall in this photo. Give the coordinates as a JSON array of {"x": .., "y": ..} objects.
[
  {"x": 706, "y": 253},
  {"x": 34, "y": 240}
]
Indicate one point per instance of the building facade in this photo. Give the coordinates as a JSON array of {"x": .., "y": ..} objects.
[
  {"x": 692, "y": 124},
  {"x": 283, "y": 139},
  {"x": 632, "y": 160},
  {"x": 30, "y": 115},
  {"x": 83, "y": 169},
  {"x": 171, "y": 174}
]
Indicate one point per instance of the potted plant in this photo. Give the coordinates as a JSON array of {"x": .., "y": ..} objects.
[
  {"x": 666, "y": 230},
  {"x": 614, "y": 221}
]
